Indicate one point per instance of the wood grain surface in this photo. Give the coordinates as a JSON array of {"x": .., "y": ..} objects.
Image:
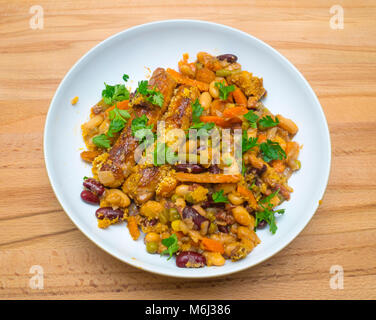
[{"x": 339, "y": 64}]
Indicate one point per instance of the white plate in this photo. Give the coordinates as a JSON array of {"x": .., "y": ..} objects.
[{"x": 161, "y": 44}]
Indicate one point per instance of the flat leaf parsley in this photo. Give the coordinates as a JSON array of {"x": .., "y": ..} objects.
[
  {"x": 172, "y": 245},
  {"x": 151, "y": 95},
  {"x": 267, "y": 212},
  {"x": 219, "y": 197}
]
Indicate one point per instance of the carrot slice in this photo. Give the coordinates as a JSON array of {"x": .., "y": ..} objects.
[
  {"x": 261, "y": 138},
  {"x": 212, "y": 245},
  {"x": 89, "y": 156},
  {"x": 133, "y": 228},
  {"x": 239, "y": 97},
  {"x": 248, "y": 195},
  {"x": 234, "y": 112},
  {"x": 219, "y": 121},
  {"x": 122, "y": 105},
  {"x": 179, "y": 78},
  {"x": 207, "y": 177}
]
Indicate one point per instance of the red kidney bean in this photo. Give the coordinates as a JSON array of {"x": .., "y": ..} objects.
[
  {"x": 214, "y": 169},
  {"x": 231, "y": 58},
  {"x": 89, "y": 197},
  {"x": 262, "y": 224},
  {"x": 190, "y": 259},
  {"x": 211, "y": 204},
  {"x": 94, "y": 186},
  {"x": 190, "y": 168},
  {"x": 109, "y": 213},
  {"x": 190, "y": 213},
  {"x": 150, "y": 223},
  {"x": 223, "y": 229}
]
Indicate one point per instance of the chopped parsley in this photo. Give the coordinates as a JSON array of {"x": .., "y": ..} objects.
[
  {"x": 272, "y": 151},
  {"x": 224, "y": 90},
  {"x": 115, "y": 93},
  {"x": 172, "y": 245},
  {"x": 163, "y": 153},
  {"x": 267, "y": 212},
  {"x": 140, "y": 123},
  {"x": 227, "y": 161},
  {"x": 196, "y": 111},
  {"x": 151, "y": 95},
  {"x": 102, "y": 141},
  {"x": 219, "y": 197},
  {"x": 125, "y": 77},
  {"x": 268, "y": 122},
  {"x": 248, "y": 143},
  {"x": 252, "y": 118},
  {"x": 118, "y": 120}
]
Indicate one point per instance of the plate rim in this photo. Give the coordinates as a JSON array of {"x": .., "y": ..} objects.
[{"x": 160, "y": 270}]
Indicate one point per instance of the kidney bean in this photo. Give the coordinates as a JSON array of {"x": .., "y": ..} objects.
[
  {"x": 231, "y": 58},
  {"x": 89, "y": 197},
  {"x": 109, "y": 213},
  {"x": 262, "y": 224},
  {"x": 214, "y": 169},
  {"x": 190, "y": 259},
  {"x": 190, "y": 213},
  {"x": 223, "y": 229},
  {"x": 150, "y": 223},
  {"x": 94, "y": 186},
  {"x": 211, "y": 204},
  {"x": 190, "y": 168}
]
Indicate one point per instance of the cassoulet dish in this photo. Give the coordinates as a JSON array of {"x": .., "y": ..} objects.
[{"x": 204, "y": 210}]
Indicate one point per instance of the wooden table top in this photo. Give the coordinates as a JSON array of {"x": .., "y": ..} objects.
[{"x": 340, "y": 65}]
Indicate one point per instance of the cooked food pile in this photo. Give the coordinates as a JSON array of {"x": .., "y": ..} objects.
[{"x": 193, "y": 195}]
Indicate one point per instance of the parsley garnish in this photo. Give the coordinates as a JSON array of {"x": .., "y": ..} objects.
[
  {"x": 224, "y": 90},
  {"x": 115, "y": 93},
  {"x": 268, "y": 122},
  {"x": 125, "y": 77},
  {"x": 140, "y": 129},
  {"x": 140, "y": 123},
  {"x": 196, "y": 111},
  {"x": 219, "y": 197},
  {"x": 197, "y": 124},
  {"x": 267, "y": 213},
  {"x": 272, "y": 151},
  {"x": 85, "y": 178},
  {"x": 151, "y": 95},
  {"x": 102, "y": 141},
  {"x": 227, "y": 161},
  {"x": 248, "y": 144},
  {"x": 172, "y": 245},
  {"x": 252, "y": 118},
  {"x": 162, "y": 153},
  {"x": 204, "y": 126},
  {"x": 118, "y": 120}
]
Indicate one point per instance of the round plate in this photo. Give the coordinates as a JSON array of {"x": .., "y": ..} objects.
[{"x": 162, "y": 44}]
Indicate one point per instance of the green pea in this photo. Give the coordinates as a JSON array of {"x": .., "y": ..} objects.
[
  {"x": 188, "y": 197},
  {"x": 174, "y": 214},
  {"x": 213, "y": 228},
  {"x": 152, "y": 247},
  {"x": 174, "y": 197},
  {"x": 210, "y": 215}
]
